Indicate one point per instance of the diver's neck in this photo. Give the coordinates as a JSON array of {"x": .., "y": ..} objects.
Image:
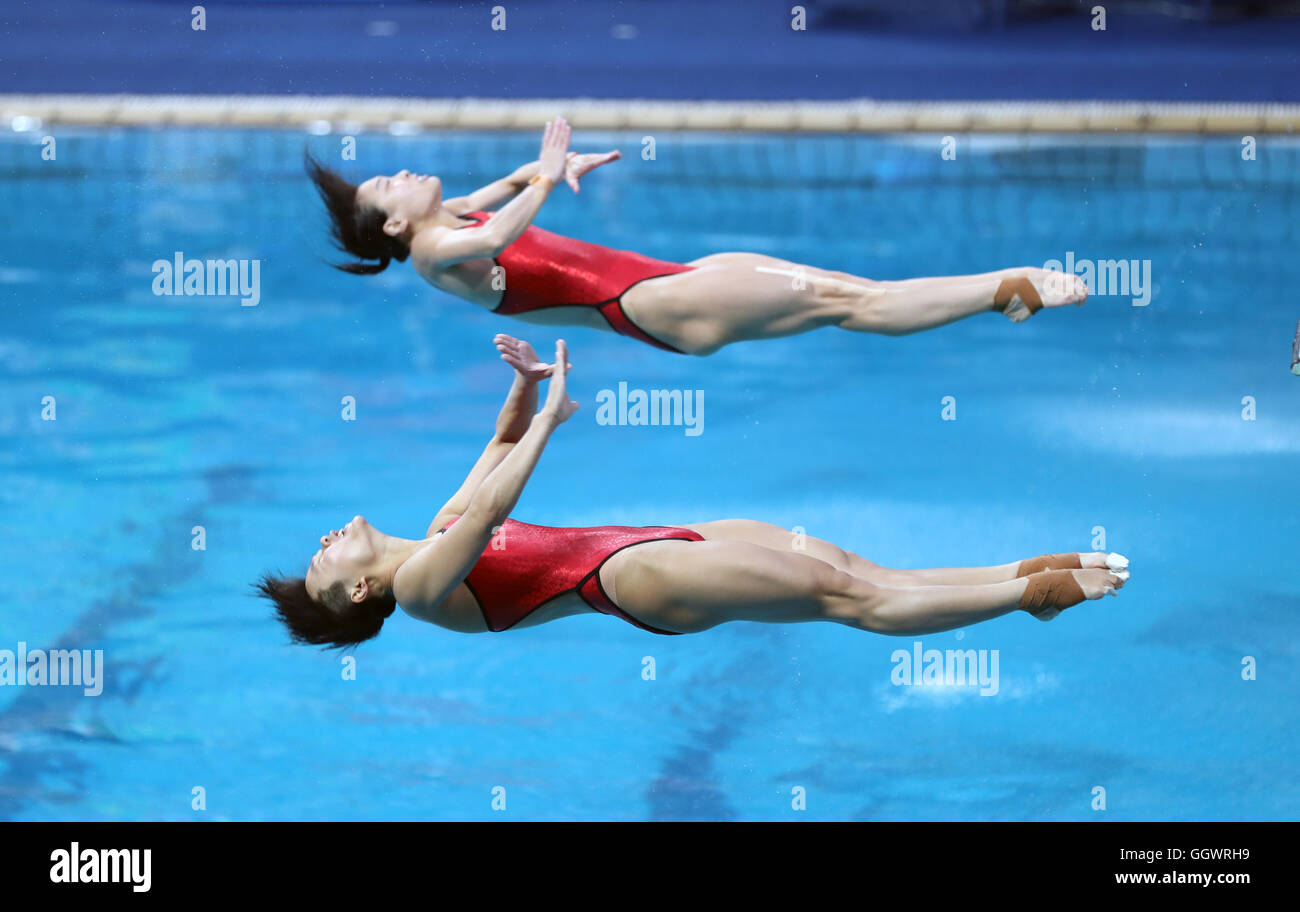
[
  {"x": 397, "y": 551},
  {"x": 439, "y": 218}
]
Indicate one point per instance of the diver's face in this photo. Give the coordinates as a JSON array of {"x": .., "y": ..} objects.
[
  {"x": 402, "y": 196},
  {"x": 348, "y": 555}
]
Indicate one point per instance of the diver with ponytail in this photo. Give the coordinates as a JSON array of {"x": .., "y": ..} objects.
[{"x": 465, "y": 245}]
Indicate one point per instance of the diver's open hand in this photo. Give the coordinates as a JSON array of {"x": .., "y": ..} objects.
[
  {"x": 520, "y": 355},
  {"x": 579, "y": 164},
  {"x": 558, "y": 405},
  {"x": 554, "y": 156}
]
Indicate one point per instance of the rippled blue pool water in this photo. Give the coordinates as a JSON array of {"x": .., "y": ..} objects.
[{"x": 1114, "y": 419}]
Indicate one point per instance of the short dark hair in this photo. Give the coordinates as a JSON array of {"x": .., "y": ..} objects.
[
  {"x": 334, "y": 622},
  {"x": 358, "y": 230}
]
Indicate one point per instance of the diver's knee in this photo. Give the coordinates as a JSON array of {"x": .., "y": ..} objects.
[{"x": 846, "y": 598}]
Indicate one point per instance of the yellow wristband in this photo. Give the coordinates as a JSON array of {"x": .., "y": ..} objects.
[{"x": 541, "y": 179}]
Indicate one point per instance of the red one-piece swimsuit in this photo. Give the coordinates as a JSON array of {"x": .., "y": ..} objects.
[
  {"x": 543, "y": 270},
  {"x": 526, "y": 566}
]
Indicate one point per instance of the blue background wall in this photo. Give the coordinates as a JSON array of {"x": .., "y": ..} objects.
[{"x": 671, "y": 49}]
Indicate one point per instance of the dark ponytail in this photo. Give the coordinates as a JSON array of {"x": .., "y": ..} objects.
[
  {"x": 354, "y": 229},
  {"x": 333, "y": 622},
  {"x": 364, "y": 268}
]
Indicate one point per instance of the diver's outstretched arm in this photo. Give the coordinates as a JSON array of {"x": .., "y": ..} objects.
[
  {"x": 507, "y": 188},
  {"x": 497, "y": 192},
  {"x": 512, "y": 423},
  {"x": 433, "y": 572},
  {"x": 437, "y": 248}
]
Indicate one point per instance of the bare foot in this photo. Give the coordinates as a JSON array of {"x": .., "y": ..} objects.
[
  {"x": 1096, "y": 583},
  {"x": 1112, "y": 561},
  {"x": 1073, "y": 560},
  {"x": 1050, "y": 592},
  {"x": 1028, "y": 290}
]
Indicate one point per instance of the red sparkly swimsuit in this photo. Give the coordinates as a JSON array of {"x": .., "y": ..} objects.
[
  {"x": 526, "y": 566},
  {"x": 550, "y": 270}
]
